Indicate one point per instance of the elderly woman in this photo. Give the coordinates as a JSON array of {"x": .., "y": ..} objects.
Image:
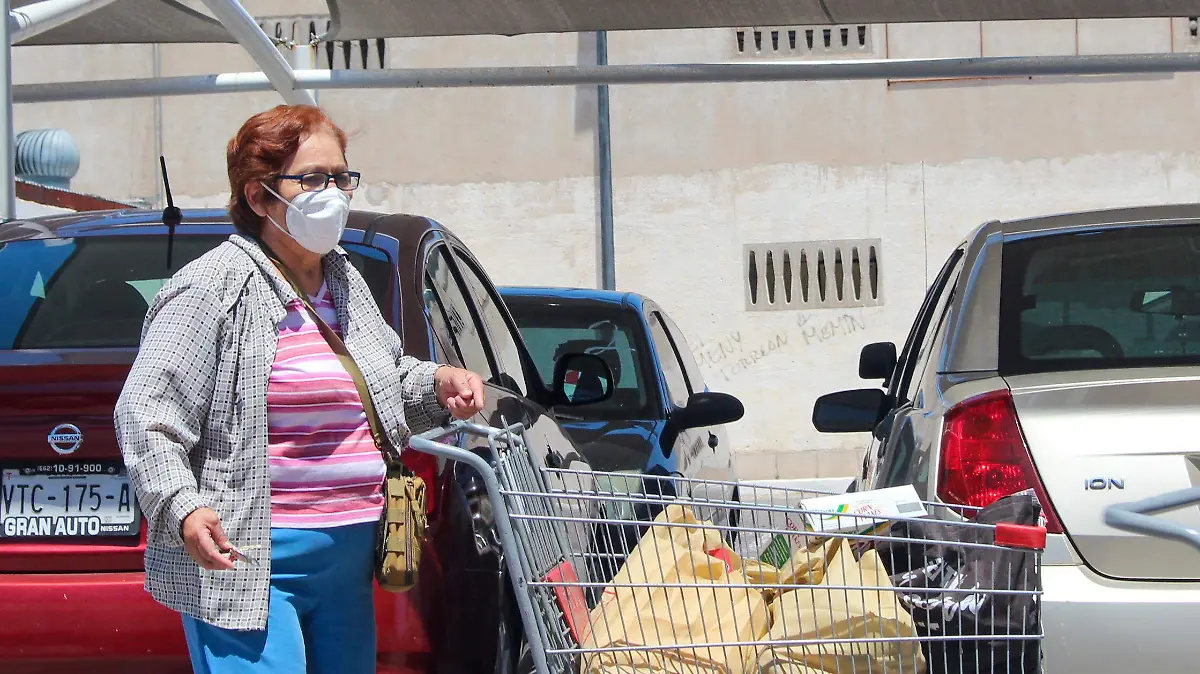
[{"x": 245, "y": 435}]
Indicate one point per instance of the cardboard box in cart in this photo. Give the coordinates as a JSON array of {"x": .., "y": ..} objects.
[
  {"x": 780, "y": 510},
  {"x": 862, "y": 511}
]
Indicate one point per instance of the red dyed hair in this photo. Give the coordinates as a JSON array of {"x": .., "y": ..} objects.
[{"x": 263, "y": 147}]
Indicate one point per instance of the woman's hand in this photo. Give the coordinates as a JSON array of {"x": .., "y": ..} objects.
[
  {"x": 459, "y": 391},
  {"x": 205, "y": 540}
]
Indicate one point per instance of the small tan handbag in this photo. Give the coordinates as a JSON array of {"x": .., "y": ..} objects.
[{"x": 404, "y": 522}]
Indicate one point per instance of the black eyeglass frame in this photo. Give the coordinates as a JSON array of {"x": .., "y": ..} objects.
[{"x": 353, "y": 177}]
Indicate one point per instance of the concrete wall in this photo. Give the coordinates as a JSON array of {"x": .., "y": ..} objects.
[{"x": 701, "y": 170}]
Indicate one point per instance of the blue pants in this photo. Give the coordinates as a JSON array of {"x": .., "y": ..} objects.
[{"x": 321, "y": 618}]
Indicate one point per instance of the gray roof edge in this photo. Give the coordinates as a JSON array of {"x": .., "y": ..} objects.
[{"x": 170, "y": 21}]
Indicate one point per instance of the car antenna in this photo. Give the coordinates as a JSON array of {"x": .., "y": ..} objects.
[{"x": 171, "y": 216}]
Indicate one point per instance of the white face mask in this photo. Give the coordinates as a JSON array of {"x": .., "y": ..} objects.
[{"x": 315, "y": 220}]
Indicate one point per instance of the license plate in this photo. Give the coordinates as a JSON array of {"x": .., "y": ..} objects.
[{"x": 67, "y": 500}]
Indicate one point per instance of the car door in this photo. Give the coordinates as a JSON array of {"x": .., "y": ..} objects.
[
  {"x": 516, "y": 376},
  {"x": 472, "y": 573},
  {"x": 710, "y": 455},
  {"x": 691, "y": 451},
  {"x": 516, "y": 372},
  {"x": 893, "y": 458},
  {"x": 715, "y": 450}
]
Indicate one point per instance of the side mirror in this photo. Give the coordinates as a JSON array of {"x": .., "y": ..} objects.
[
  {"x": 857, "y": 411},
  {"x": 877, "y": 361},
  {"x": 582, "y": 379},
  {"x": 706, "y": 408}
]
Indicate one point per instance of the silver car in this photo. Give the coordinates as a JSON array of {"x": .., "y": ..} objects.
[{"x": 1060, "y": 354}]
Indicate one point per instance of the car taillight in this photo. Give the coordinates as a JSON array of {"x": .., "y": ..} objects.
[{"x": 984, "y": 457}]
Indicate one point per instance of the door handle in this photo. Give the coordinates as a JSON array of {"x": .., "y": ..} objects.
[{"x": 713, "y": 441}]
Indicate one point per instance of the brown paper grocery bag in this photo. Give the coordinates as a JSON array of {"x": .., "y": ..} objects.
[
  {"x": 674, "y": 618},
  {"x": 818, "y": 612}
]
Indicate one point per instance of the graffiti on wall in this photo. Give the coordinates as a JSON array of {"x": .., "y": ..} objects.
[{"x": 732, "y": 354}]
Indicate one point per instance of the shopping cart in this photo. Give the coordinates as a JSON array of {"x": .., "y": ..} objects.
[
  {"x": 1138, "y": 517},
  {"x": 615, "y": 572}
]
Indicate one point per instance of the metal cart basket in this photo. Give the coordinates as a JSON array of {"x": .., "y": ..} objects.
[{"x": 621, "y": 572}]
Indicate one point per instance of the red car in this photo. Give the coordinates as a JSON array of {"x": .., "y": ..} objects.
[{"x": 73, "y": 297}]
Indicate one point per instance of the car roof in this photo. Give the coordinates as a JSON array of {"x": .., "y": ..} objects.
[
  {"x": 407, "y": 229},
  {"x": 1179, "y": 213},
  {"x": 574, "y": 296}
]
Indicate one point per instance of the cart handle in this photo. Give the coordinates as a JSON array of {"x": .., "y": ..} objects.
[{"x": 1136, "y": 517}]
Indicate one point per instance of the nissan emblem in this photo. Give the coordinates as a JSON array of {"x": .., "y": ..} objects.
[{"x": 65, "y": 438}]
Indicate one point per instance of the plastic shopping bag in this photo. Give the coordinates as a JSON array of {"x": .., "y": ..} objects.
[
  {"x": 849, "y": 612},
  {"x": 679, "y": 602},
  {"x": 985, "y": 592}
]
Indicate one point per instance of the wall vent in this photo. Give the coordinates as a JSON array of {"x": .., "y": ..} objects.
[
  {"x": 812, "y": 275},
  {"x": 800, "y": 41}
]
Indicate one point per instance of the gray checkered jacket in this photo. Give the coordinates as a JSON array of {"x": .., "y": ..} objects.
[{"x": 192, "y": 418}]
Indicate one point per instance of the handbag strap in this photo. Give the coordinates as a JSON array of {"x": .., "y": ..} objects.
[{"x": 338, "y": 346}]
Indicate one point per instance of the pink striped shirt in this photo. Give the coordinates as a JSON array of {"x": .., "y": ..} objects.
[{"x": 325, "y": 468}]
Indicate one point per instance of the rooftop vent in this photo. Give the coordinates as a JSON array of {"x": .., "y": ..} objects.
[{"x": 47, "y": 157}]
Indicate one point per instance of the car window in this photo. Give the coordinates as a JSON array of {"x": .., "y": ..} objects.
[
  {"x": 377, "y": 269},
  {"x": 552, "y": 329},
  {"x": 691, "y": 370},
  {"x": 1120, "y": 298},
  {"x": 94, "y": 292},
  {"x": 451, "y": 316},
  {"x": 439, "y": 322},
  {"x": 677, "y": 387},
  {"x": 901, "y": 381},
  {"x": 85, "y": 292},
  {"x": 500, "y": 335},
  {"x": 937, "y": 321}
]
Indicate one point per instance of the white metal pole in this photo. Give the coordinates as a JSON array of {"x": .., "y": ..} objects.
[
  {"x": 39, "y": 17},
  {"x": 261, "y": 48},
  {"x": 541, "y": 76},
  {"x": 304, "y": 57},
  {"x": 8, "y": 204},
  {"x": 608, "y": 255}
]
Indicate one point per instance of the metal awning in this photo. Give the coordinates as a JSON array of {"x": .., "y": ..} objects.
[
  {"x": 170, "y": 21},
  {"x": 411, "y": 18},
  {"x": 131, "y": 22}
]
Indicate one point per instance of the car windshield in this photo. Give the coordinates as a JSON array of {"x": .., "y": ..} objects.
[
  {"x": 1118, "y": 298},
  {"x": 552, "y": 329},
  {"x": 94, "y": 291}
]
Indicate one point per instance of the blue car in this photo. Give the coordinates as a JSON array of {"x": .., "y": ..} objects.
[{"x": 661, "y": 419}]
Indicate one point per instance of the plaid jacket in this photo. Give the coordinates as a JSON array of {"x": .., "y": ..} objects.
[{"x": 192, "y": 418}]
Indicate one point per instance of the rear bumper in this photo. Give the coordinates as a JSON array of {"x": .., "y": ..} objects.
[
  {"x": 1103, "y": 626},
  {"x": 100, "y": 616},
  {"x": 104, "y": 623}
]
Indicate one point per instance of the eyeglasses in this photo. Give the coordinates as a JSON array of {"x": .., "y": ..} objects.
[{"x": 317, "y": 181}]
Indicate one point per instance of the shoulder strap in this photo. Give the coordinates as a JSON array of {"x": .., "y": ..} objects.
[{"x": 343, "y": 354}]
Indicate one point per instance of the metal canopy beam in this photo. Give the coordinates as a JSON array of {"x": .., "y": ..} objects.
[
  {"x": 533, "y": 76},
  {"x": 261, "y": 48},
  {"x": 32, "y": 20}
]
